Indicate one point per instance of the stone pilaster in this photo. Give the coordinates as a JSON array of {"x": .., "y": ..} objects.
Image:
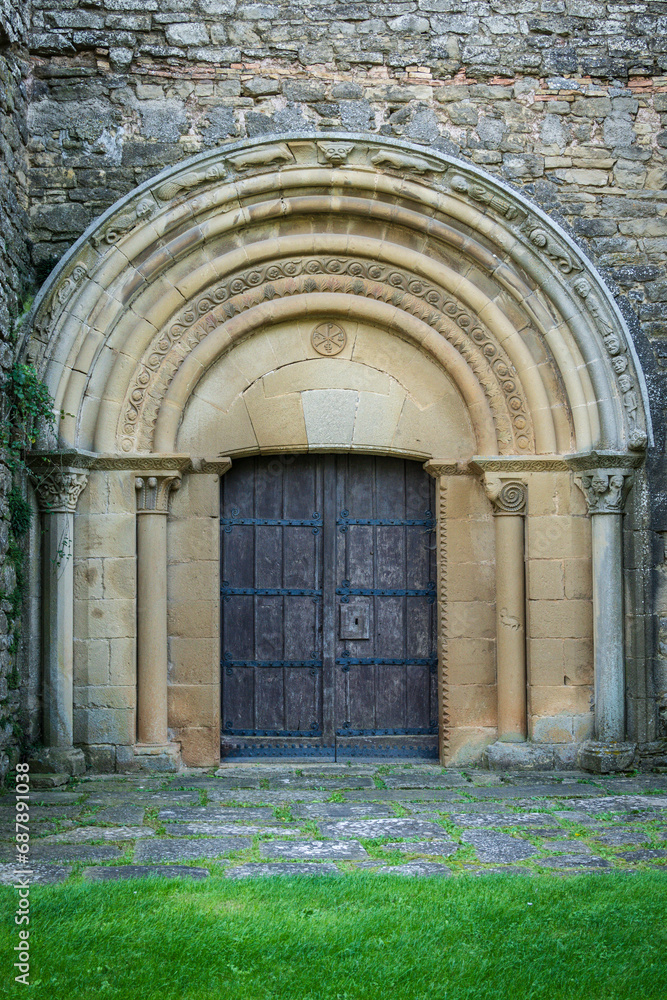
[
  {"x": 508, "y": 496},
  {"x": 58, "y": 490},
  {"x": 605, "y": 490}
]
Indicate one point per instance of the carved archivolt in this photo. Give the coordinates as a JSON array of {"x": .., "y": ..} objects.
[
  {"x": 360, "y": 277},
  {"x": 423, "y": 201}
]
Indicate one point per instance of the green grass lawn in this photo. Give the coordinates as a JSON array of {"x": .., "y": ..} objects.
[{"x": 357, "y": 936}]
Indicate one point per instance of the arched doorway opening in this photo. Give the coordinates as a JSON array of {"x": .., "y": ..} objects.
[{"x": 336, "y": 294}]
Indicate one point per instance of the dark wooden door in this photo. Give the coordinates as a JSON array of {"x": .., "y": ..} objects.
[{"x": 328, "y": 607}]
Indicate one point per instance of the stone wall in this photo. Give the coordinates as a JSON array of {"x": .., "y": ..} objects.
[
  {"x": 15, "y": 280},
  {"x": 565, "y": 99}
]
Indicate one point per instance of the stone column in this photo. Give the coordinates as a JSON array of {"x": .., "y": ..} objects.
[
  {"x": 58, "y": 490},
  {"x": 153, "y": 490},
  {"x": 509, "y": 507},
  {"x": 605, "y": 491}
]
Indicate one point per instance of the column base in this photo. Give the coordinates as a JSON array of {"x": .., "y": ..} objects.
[
  {"x": 156, "y": 757},
  {"x": 59, "y": 760},
  {"x": 607, "y": 758},
  {"x": 502, "y": 756}
]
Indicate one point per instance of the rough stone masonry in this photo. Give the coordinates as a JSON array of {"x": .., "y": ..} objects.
[{"x": 565, "y": 99}]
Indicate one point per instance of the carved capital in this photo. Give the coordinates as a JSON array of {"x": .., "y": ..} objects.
[
  {"x": 605, "y": 489},
  {"x": 508, "y": 496},
  {"x": 58, "y": 490},
  {"x": 153, "y": 491}
]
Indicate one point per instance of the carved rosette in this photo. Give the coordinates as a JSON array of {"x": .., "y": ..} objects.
[
  {"x": 153, "y": 491},
  {"x": 58, "y": 490},
  {"x": 605, "y": 490},
  {"x": 508, "y": 496}
]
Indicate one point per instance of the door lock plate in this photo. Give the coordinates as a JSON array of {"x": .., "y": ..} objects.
[{"x": 355, "y": 619}]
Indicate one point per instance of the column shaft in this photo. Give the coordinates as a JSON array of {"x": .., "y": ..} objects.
[
  {"x": 510, "y": 628},
  {"x": 152, "y": 628},
  {"x": 606, "y": 531},
  {"x": 58, "y": 611}
]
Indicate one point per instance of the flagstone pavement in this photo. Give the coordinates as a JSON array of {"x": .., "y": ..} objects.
[{"x": 255, "y": 818}]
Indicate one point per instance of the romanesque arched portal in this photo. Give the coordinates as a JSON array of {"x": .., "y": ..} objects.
[{"x": 336, "y": 293}]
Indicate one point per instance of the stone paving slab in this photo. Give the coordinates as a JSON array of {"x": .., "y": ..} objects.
[
  {"x": 404, "y": 795},
  {"x": 488, "y": 870},
  {"x": 259, "y": 870},
  {"x": 39, "y": 874},
  {"x": 54, "y": 798},
  {"x": 324, "y": 784},
  {"x": 442, "y": 848},
  {"x": 217, "y": 814},
  {"x": 126, "y": 815},
  {"x": 425, "y": 781},
  {"x": 486, "y": 819},
  {"x": 647, "y": 854},
  {"x": 498, "y": 847},
  {"x": 325, "y": 850},
  {"x": 621, "y": 837},
  {"x": 417, "y": 869},
  {"x": 566, "y": 847},
  {"x": 381, "y": 828},
  {"x": 225, "y": 829},
  {"x": 114, "y": 873},
  {"x": 84, "y": 833},
  {"x": 574, "y": 861},
  {"x": 189, "y": 850},
  {"x": 74, "y": 852},
  {"x": 342, "y": 810}
]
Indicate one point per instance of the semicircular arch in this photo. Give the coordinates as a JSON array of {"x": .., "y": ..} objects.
[{"x": 358, "y": 228}]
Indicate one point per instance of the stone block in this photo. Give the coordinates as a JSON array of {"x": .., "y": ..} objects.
[
  {"x": 560, "y": 619},
  {"x": 87, "y": 579},
  {"x": 97, "y": 535},
  {"x": 91, "y": 661},
  {"x": 104, "y": 725},
  {"x": 105, "y": 696},
  {"x": 189, "y": 850},
  {"x": 122, "y": 661},
  {"x": 578, "y": 661},
  {"x": 194, "y": 661},
  {"x": 288, "y": 868},
  {"x": 199, "y": 496},
  {"x": 473, "y": 705},
  {"x": 546, "y": 579},
  {"x": 570, "y": 537},
  {"x": 194, "y": 538},
  {"x": 196, "y": 619},
  {"x": 551, "y": 730},
  {"x": 472, "y": 582},
  {"x": 200, "y": 745},
  {"x": 578, "y": 579},
  {"x": 550, "y": 701},
  {"x": 471, "y": 620},
  {"x": 607, "y": 758},
  {"x": 466, "y": 745},
  {"x": 193, "y": 705},
  {"x": 471, "y": 661},
  {"x": 545, "y": 662},
  {"x": 199, "y": 580},
  {"x": 104, "y": 619},
  {"x": 369, "y": 828},
  {"x": 120, "y": 578},
  {"x": 518, "y": 757}
]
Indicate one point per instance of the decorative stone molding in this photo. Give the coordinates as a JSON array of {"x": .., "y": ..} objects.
[
  {"x": 527, "y": 463},
  {"x": 162, "y": 463},
  {"x": 508, "y": 496},
  {"x": 214, "y": 466},
  {"x": 58, "y": 490},
  {"x": 605, "y": 489},
  {"x": 437, "y": 468},
  {"x": 153, "y": 491},
  {"x": 616, "y": 350}
]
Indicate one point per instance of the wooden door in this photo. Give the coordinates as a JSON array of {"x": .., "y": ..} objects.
[{"x": 328, "y": 607}]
